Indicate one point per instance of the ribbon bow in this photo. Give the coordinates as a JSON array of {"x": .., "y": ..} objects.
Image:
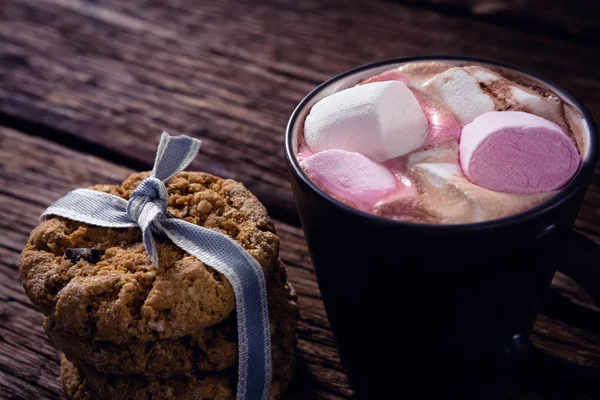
[{"x": 146, "y": 209}]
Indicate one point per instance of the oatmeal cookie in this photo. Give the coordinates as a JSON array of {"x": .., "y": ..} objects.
[
  {"x": 99, "y": 283},
  {"x": 86, "y": 383},
  {"x": 92, "y": 385},
  {"x": 212, "y": 349}
]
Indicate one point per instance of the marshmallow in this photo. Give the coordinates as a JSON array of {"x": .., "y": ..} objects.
[
  {"x": 473, "y": 90},
  {"x": 421, "y": 72},
  {"x": 406, "y": 207},
  {"x": 516, "y": 97},
  {"x": 517, "y": 152},
  {"x": 382, "y": 120},
  {"x": 351, "y": 176},
  {"x": 445, "y": 194},
  {"x": 535, "y": 104},
  {"x": 442, "y": 153},
  {"x": 449, "y": 198},
  {"x": 443, "y": 125},
  {"x": 482, "y": 74},
  {"x": 438, "y": 174},
  {"x": 462, "y": 93}
]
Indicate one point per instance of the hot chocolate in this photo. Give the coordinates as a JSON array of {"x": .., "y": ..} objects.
[{"x": 440, "y": 143}]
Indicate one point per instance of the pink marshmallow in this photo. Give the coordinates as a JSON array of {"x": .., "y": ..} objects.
[
  {"x": 517, "y": 152},
  {"x": 303, "y": 152},
  {"x": 350, "y": 176}
]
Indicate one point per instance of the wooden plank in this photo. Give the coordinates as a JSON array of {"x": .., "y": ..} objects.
[
  {"x": 36, "y": 171},
  {"x": 108, "y": 76},
  {"x": 576, "y": 19}
]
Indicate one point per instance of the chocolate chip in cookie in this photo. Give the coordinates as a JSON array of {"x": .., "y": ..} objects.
[{"x": 89, "y": 254}]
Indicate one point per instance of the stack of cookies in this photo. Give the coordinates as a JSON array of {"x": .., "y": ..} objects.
[{"x": 131, "y": 331}]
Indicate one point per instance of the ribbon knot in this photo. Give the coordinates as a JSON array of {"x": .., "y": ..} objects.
[
  {"x": 146, "y": 209},
  {"x": 149, "y": 199},
  {"x": 146, "y": 206}
]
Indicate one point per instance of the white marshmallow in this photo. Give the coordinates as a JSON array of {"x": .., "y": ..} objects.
[
  {"x": 437, "y": 171},
  {"x": 520, "y": 98},
  {"x": 462, "y": 93},
  {"x": 445, "y": 153},
  {"x": 449, "y": 196},
  {"x": 460, "y": 88},
  {"x": 418, "y": 73},
  {"x": 483, "y": 75},
  {"x": 445, "y": 195},
  {"x": 381, "y": 120},
  {"x": 535, "y": 104}
]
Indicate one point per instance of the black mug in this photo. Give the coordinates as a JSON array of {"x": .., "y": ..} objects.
[{"x": 438, "y": 310}]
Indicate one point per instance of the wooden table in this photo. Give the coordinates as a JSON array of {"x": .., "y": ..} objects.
[{"x": 87, "y": 86}]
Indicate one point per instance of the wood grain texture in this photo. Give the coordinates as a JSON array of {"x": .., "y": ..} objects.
[
  {"x": 35, "y": 172},
  {"x": 107, "y": 76},
  {"x": 574, "y": 19}
]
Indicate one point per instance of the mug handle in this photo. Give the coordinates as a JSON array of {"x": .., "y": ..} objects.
[{"x": 577, "y": 257}]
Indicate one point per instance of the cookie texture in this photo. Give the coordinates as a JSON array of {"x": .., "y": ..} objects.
[
  {"x": 131, "y": 331},
  {"x": 85, "y": 383},
  {"x": 211, "y": 349},
  {"x": 72, "y": 382},
  {"x": 122, "y": 297}
]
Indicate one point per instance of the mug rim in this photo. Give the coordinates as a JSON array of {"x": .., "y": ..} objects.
[{"x": 588, "y": 162}]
